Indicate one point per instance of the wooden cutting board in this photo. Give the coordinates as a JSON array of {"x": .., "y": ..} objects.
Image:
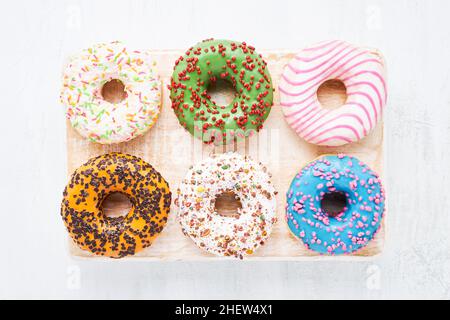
[{"x": 171, "y": 150}]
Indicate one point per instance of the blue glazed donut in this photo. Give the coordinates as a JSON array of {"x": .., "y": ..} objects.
[{"x": 337, "y": 178}]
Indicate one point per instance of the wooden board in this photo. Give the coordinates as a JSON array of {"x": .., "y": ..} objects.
[{"x": 171, "y": 150}]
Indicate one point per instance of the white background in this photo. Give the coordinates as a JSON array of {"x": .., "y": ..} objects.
[{"x": 35, "y": 38}]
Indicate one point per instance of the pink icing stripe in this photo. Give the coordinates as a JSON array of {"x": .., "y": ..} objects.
[
  {"x": 303, "y": 59},
  {"x": 316, "y": 120},
  {"x": 300, "y": 110},
  {"x": 299, "y": 127},
  {"x": 357, "y": 65},
  {"x": 376, "y": 74},
  {"x": 368, "y": 97},
  {"x": 343, "y": 115},
  {"x": 321, "y": 80},
  {"x": 365, "y": 83},
  {"x": 293, "y": 123},
  {"x": 336, "y": 138},
  {"x": 293, "y": 83},
  {"x": 290, "y": 104},
  {"x": 300, "y": 71},
  {"x": 320, "y": 46},
  {"x": 361, "y": 106},
  {"x": 341, "y": 126}
]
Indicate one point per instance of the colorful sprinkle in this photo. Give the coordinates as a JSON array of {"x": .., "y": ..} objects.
[{"x": 94, "y": 117}]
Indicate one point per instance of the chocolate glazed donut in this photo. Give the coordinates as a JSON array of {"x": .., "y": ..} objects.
[{"x": 90, "y": 184}]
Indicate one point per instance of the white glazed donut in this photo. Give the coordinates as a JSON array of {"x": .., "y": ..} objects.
[
  {"x": 362, "y": 72},
  {"x": 111, "y": 122},
  {"x": 223, "y": 235}
]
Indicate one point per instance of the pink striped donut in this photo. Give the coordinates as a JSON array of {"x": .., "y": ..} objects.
[{"x": 362, "y": 72}]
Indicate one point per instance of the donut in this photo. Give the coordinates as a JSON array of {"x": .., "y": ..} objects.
[
  {"x": 231, "y": 61},
  {"x": 90, "y": 184},
  {"x": 361, "y": 71},
  {"x": 222, "y": 235},
  {"x": 111, "y": 94},
  {"x": 359, "y": 205}
]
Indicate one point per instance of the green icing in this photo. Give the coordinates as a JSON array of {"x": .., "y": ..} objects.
[{"x": 231, "y": 61}]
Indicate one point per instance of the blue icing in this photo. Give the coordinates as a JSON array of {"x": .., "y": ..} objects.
[{"x": 355, "y": 225}]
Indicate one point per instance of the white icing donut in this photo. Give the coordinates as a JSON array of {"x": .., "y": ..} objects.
[
  {"x": 222, "y": 235},
  {"x": 111, "y": 122},
  {"x": 362, "y": 72}
]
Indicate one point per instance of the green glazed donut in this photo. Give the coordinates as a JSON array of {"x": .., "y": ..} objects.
[{"x": 235, "y": 62}]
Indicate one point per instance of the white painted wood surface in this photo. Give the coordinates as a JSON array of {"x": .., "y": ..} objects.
[{"x": 413, "y": 35}]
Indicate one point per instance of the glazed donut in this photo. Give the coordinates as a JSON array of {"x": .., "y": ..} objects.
[
  {"x": 91, "y": 183},
  {"x": 223, "y": 235},
  {"x": 342, "y": 178},
  {"x": 363, "y": 74},
  {"x": 235, "y": 62},
  {"x": 131, "y": 73}
]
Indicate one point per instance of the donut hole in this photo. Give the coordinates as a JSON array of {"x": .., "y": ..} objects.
[
  {"x": 333, "y": 203},
  {"x": 221, "y": 92},
  {"x": 228, "y": 204},
  {"x": 332, "y": 94},
  {"x": 113, "y": 91},
  {"x": 116, "y": 205}
]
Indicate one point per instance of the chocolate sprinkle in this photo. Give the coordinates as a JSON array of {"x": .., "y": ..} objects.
[{"x": 90, "y": 184}]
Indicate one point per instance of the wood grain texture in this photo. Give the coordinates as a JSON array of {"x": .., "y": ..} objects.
[{"x": 172, "y": 150}]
